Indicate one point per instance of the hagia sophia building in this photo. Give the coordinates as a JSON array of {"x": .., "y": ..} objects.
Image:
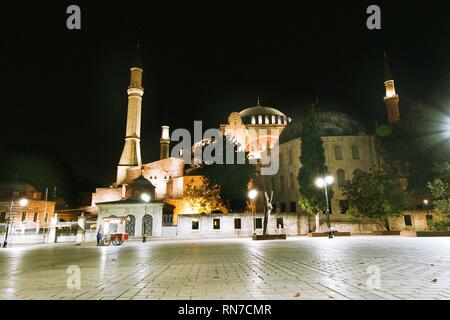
[{"x": 348, "y": 147}]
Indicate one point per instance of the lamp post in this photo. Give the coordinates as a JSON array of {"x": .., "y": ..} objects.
[
  {"x": 146, "y": 198},
  {"x": 324, "y": 182},
  {"x": 425, "y": 203},
  {"x": 252, "y": 194},
  {"x": 23, "y": 203}
]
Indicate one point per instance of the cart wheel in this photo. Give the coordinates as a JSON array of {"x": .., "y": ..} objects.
[
  {"x": 117, "y": 242},
  {"x": 106, "y": 242}
]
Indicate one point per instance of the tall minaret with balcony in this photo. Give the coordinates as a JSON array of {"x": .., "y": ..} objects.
[
  {"x": 164, "y": 143},
  {"x": 391, "y": 99},
  {"x": 131, "y": 155}
]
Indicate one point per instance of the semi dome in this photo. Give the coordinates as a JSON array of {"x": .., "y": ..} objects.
[{"x": 331, "y": 124}]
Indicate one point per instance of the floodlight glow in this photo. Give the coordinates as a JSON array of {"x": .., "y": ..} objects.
[
  {"x": 145, "y": 197},
  {"x": 252, "y": 194},
  {"x": 329, "y": 179},
  {"x": 320, "y": 182},
  {"x": 23, "y": 202}
]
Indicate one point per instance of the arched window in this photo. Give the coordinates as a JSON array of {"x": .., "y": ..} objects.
[
  {"x": 274, "y": 120},
  {"x": 341, "y": 178},
  {"x": 338, "y": 153},
  {"x": 355, "y": 153},
  {"x": 260, "y": 120},
  {"x": 266, "y": 120},
  {"x": 253, "y": 120}
]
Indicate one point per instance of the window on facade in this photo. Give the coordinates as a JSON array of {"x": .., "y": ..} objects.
[
  {"x": 341, "y": 178},
  {"x": 292, "y": 181},
  {"x": 280, "y": 224},
  {"x": 237, "y": 224},
  {"x": 260, "y": 120},
  {"x": 408, "y": 220},
  {"x": 194, "y": 224},
  {"x": 2, "y": 217},
  {"x": 46, "y": 217},
  {"x": 24, "y": 216},
  {"x": 355, "y": 153},
  {"x": 429, "y": 218},
  {"x": 291, "y": 157},
  {"x": 338, "y": 153},
  {"x": 258, "y": 223},
  {"x": 216, "y": 224},
  {"x": 293, "y": 206},
  {"x": 281, "y": 182},
  {"x": 344, "y": 206},
  {"x": 274, "y": 120},
  {"x": 266, "y": 120},
  {"x": 283, "y": 207},
  {"x": 35, "y": 216},
  {"x": 167, "y": 219}
]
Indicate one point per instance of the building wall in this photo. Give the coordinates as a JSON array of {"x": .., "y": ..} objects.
[
  {"x": 138, "y": 211},
  {"x": 107, "y": 195},
  {"x": 285, "y": 183},
  {"x": 293, "y": 225},
  {"x": 34, "y": 213}
]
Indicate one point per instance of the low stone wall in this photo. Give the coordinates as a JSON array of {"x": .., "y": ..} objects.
[{"x": 292, "y": 225}]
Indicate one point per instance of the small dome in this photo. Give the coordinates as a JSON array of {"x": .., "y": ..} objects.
[
  {"x": 19, "y": 186},
  {"x": 331, "y": 123},
  {"x": 261, "y": 115},
  {"x": 138, "y": 186}
]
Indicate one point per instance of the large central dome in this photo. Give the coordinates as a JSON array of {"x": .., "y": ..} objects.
[{"x": 331, "y": 124}]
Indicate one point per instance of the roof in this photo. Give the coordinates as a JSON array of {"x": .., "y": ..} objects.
[
  {"x": 134, "y": 201},
  {"x": 331, "y": 123},
  {"x": 260, "y": 110},
  {"x": 141, "y": 181},
  {"x": 17, "y": 186}
]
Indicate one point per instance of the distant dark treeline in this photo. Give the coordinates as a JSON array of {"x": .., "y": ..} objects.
[{"x": 42, "y": 167}]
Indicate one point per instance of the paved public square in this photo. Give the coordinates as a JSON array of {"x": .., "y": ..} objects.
[{"x": 299, "y": 268}]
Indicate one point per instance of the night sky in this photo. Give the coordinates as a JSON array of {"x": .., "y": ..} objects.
[{"x": 203, "y": 60}]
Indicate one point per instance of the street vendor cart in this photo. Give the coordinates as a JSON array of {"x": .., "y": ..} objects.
[{"x": 117, "y": 239}]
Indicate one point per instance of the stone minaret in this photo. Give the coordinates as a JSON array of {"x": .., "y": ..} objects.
[
  {"x": 164, "y": 143},
  {"x": 391, "y": 99},
  {"x": 131, "y": 155}
]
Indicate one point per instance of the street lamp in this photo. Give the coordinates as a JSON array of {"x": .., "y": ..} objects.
[
  {"x": 23, "y": 203},
  {"x": 324, "y": 182},
  {"x": 252, "y": 194},
  {"x": 425, "y": 203},
  {"x": 146, "y": 198}
]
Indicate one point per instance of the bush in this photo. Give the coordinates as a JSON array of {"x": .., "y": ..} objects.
[{"x": 440, "y": 225}]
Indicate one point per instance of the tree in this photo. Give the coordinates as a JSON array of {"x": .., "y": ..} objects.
[
  {"x": 440, "y": 190},
  {"x": 411, "y": 148},
  {"x": 312, "y": 160},
  {"x": 233, "y": 179},
  {"x": 203, "y": 197},
  {"x": 375, "y": 194}
]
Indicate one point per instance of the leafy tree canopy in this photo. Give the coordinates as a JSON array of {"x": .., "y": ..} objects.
[
  {"x": 233, "y": 178},
  {"x": 375, "y": 194}
]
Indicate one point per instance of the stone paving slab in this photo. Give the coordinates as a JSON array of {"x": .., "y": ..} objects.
[{"x": 299, "y": 268}]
